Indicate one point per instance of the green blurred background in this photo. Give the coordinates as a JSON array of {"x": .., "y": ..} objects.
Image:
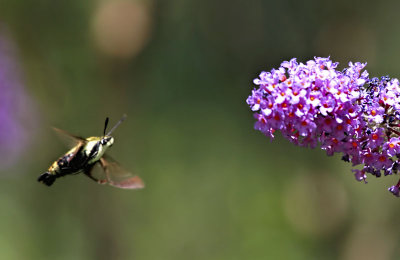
[{"x": 181, "y": 71}]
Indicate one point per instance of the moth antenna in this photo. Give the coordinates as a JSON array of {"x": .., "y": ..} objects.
[
  {"x": 105, "y": 126},
  {"x": 117, "y": 124}
]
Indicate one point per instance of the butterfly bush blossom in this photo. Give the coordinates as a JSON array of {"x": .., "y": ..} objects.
[{"x": 342, "y": 111}]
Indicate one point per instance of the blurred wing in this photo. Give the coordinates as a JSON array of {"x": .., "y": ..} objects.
[
  {"x": 70, "y": 139},
  {"x": 117, "y": 176}
]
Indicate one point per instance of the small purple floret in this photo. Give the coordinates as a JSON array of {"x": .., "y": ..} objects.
[{"x": 395, "y": 190}]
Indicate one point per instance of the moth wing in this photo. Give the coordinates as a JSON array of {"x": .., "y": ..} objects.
[
  {"x": 119, "y": 177},
  {"x": 70, "y": 139}
]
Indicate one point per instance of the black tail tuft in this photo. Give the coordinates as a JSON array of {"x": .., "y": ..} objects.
[{"x": 47, "y": 178}]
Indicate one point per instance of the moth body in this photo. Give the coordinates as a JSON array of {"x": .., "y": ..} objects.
[{"x": 84, "y": 156}]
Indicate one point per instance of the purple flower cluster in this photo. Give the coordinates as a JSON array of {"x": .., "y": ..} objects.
[{"x": 343, "y": 111}]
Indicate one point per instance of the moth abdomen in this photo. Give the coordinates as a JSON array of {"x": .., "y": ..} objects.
[{"x": 47, "y": 178}]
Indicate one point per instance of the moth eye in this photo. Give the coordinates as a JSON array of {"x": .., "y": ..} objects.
[{"x": 103, "y": 141}]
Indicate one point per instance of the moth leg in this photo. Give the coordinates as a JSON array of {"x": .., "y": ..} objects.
[
  {"x": 96, "y": 180},
  {"x": 104, "y": 166},
  {"x": 88, "y": 172}
]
